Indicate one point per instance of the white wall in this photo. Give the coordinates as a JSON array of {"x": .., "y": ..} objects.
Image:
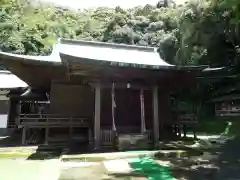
[{"x": 3, "y": 120}]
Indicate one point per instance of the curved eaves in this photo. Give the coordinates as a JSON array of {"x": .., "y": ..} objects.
[{"x": 37, "y": 72}]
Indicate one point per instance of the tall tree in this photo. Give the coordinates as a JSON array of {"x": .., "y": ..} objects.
[{"x": 199, "y": 32}]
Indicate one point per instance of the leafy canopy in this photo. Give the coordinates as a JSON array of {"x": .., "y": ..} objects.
[{"x": 198, "y": 32}]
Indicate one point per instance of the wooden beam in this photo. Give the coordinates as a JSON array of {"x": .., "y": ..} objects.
[
  {"x": 97, "y": 117},
  {"x": 155, "y": 116},
  {"x": 121, "y": 85}
]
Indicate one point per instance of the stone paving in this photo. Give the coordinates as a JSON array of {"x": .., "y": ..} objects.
[
  {"x": 56, "y": 169},
  {"x": 73, "y": 167},
  {"x": 29, "y": 170}
]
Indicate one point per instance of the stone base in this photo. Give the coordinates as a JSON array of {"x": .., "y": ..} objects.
[{"x": 133, "y": 142}]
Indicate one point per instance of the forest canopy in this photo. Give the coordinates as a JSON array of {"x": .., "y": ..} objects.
[{"x": 198, "y": 32}]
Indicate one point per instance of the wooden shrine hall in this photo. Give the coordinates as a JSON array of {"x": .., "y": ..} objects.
[{"x": 94, "y": 91}]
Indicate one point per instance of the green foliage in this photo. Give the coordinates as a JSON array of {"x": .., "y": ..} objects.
[
  {"x": 209, "y": 33},
  {"x": 199, "y": 32}
]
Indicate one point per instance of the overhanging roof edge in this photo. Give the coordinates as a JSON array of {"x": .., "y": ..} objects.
[
  {"x": 106, "y": 44},
  {"x": 68, "y": 57},
  {"x": 59, "y": 48},
  {"x": 38, "y": 59},
  {"x": 11, "y": 81}
]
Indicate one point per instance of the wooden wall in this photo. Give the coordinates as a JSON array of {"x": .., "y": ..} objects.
[
  {"x": 128, "y": 111},
  {"x": 77, "y": 100},
  {"x": 72, "y": 100}
]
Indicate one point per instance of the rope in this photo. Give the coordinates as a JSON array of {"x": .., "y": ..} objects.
[
  {"x": 143, "y": 128},
  {"x": 113, "y": 107},
  {"x": 115, "y": 135}
]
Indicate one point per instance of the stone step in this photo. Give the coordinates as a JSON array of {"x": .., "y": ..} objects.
[
  {"x": 97, "y": 157},
  {"x": 117, "y": 166},
  {"x": 108, "y": 156}
]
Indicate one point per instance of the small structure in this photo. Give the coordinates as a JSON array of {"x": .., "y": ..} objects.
[
  {"x": 97, "y": 91},
  {"x": 8, "y": 82},
  {"x": 227, "y": 105},
  {"x": 225, "y": 96}
]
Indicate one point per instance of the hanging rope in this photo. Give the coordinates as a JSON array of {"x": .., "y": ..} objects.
[
  {"x": 114, "y": 134},
  {"x": 113, "y": 107},
  {"x": 143, "y": 123}
]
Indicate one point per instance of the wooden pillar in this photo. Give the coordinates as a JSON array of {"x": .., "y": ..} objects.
[
  {"x": 46, "y": 135},
  {"x": 70, "y": 132},
  {"x": 24, "y": 135},
  {"x": 90, "y": 136},
  {"x": 155, "y": 116},
  {"x": 70, "y": 128},
  {"x": 143, "y": 125},
  {"x": 10, "y": 113},
  {"x": 97, "y": 117},
  {"x": 18, "y": 111},
  {"x": 46, "y": 132}
]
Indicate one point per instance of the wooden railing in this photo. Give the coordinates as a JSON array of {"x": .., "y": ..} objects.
[
  {"x": 106, "y": 137},
  {"x": 52, "y": 120}
]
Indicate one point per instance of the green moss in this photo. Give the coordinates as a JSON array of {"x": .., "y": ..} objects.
[
  {"x": 212, "y": 127},
  {"x": 220, "y": 125},
  {"x": 13, "y": 156},
  {"x": 29, "y": 156}
]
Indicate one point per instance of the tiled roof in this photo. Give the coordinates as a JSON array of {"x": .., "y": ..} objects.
[
  {"x": 110, "y": 52},
  {"x": 10, "y": 81},
  {"x": 98, "y": 51}
]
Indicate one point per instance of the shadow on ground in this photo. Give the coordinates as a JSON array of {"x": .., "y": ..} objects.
[
  {"x": 229, "y": 159},
  {"x": 46, "y": 152},
  {"x": 11, "y": 139},
  {"x": 128, "y": 176},
  {"x": 218, "y": 163}
]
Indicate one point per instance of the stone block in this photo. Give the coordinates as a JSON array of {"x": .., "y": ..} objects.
[{"x": 133, "y": 142}]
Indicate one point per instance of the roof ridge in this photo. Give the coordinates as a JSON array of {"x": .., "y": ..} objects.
[{"x": 107, "y": 45}]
